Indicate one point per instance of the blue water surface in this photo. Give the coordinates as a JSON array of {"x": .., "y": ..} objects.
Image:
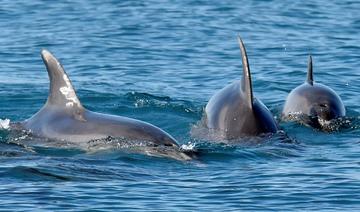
[{"x": 160, "y": 61}]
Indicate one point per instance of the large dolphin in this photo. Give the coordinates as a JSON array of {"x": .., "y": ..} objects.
[
  {"x": 234, "y": 112},
  {"x": 313, "y": 104},
  {"x": 63, "y": 117}
]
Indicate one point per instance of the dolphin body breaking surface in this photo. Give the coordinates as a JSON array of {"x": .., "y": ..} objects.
[
  {"x": 313, "y": 104},
  {"x": 234, "y": 112},
  {"x": 64, "y": 118}
]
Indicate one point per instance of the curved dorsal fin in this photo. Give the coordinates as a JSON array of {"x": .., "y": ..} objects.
[
  {"x": 62, "y": 93},
  {"x": 310, "y": 78},
  {"x": 246, "y": 85}
]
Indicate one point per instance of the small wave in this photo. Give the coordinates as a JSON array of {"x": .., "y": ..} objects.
[
  {"x": 32, "y": 173},
  {"x": 147, "y": 100},
  {"x": 8, "y": 149}
]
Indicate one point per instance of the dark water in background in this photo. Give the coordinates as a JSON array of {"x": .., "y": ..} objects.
[{"x": 160, "y": 61}]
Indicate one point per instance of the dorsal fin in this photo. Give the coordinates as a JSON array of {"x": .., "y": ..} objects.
[
  {"x": 62, "y": 93},
  {"x": 246, "y": 85},
  {"x": 310, "y": 78}
]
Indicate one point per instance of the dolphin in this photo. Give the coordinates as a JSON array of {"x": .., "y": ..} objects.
[
  {"x": 313, "y": 104},
  {"x": 234, "y": 112},
  {"x": 63, "y": 117}
]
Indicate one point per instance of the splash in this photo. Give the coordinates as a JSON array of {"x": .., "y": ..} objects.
[
  {"x": 319, "y": 123},
  {"x": 4, "y": 124},
  {"x": 188, "y": 147},
  {"x": 335, "y": 124}
]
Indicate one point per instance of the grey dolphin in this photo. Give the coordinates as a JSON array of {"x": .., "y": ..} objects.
[
  {"x": 313, "y": 104},
  {"x": 234, "y": 112},
  {"x": 64, "y": 118}
]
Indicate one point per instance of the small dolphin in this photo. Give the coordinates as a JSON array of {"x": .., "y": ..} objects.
[
  {"x": 63, "y": 117},
  {"x": 234, "y": 112},
  {"x": 313, "y": 104}
]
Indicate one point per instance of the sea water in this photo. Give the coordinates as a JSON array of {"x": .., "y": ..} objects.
[{"x": 160, "y": 61}]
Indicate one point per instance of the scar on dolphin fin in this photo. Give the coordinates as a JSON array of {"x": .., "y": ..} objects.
[
  {"x": 62, "y": 94},
  {"x": 310, "y": 77},
  {"x": 246, "y": 85}
]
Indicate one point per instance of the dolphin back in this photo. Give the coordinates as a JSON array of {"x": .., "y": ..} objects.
[
  {"x": 64, "y": 118},
  {"x": 234, "y": 112}
]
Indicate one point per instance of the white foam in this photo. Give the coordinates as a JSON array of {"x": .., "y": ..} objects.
[
  {"x": 188, "y": 146},
  {"x": 4, "y": 123}
]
